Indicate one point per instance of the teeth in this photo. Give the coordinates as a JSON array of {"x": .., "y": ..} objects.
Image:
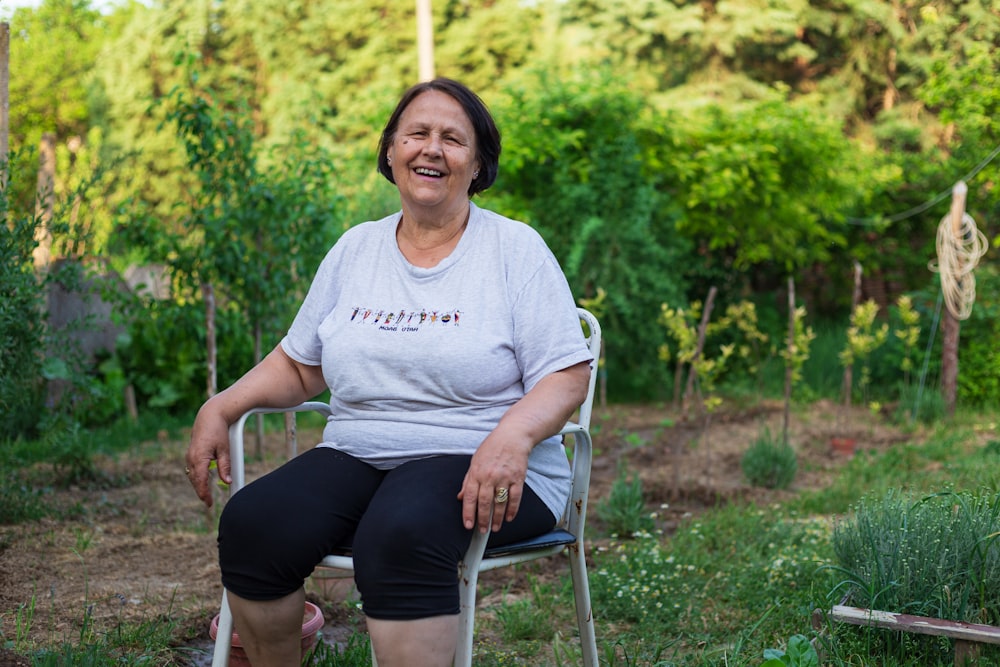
[{"x": 427, "y": 172}]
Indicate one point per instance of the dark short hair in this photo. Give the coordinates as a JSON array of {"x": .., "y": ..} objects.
[{"x": 487, "y": 134}]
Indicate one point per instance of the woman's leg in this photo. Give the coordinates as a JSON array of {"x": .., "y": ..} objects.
[
  {"x": 274, "y": 532},
  {"x": 270, "y": 630},
  {"x": 406, "y": 554},
  {"x": 424, "y": 642}
]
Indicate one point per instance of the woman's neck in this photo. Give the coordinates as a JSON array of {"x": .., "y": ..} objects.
[{"x": 425, "y": 242}]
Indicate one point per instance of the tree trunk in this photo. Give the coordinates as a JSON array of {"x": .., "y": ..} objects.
[
  {"x": 208, "y": 293},
  {"x": 4, "y": 102},
  {"x": 702, "y": 327},
  {"x": 45, "y": 205},
  {"x": 678, "y": 445}
]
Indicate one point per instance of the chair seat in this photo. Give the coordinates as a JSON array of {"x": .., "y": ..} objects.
[
  {"x": 553, "y": 538},
  {"x": 557, "y": 537}
]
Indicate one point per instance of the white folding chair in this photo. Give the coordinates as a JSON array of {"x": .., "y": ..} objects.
[{"x": 567, "y": 535}]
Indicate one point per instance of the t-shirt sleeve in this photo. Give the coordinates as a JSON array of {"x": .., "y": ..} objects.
[
  {"x": 302, "y": 342},
  {"x": 548, "y": 335}
]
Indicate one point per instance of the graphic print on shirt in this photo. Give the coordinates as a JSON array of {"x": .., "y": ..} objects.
[{"x": 404, "y": 320}]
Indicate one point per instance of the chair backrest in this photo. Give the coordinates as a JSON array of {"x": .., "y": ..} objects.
[{"x": 592, "y": 332}]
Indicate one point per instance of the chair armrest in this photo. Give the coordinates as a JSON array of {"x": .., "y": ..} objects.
[{"x": 236, "y": 448}]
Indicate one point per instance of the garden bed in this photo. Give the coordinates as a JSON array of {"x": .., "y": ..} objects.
[{"x": 136, "y": 544}]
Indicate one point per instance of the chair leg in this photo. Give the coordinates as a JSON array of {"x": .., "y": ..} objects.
[
  {"x": 223, "y": 637},
  {"x": 584, "y": 610},
  {"x": 468, "y": 578}
]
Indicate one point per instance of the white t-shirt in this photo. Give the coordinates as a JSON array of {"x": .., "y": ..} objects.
[{"x": 423, "y": 362}]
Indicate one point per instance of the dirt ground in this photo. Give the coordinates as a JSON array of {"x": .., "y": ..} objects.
[{"x": 143, "y": 547}]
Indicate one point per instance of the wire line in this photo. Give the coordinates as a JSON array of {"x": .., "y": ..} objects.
[{"x": 916, "y": 210}]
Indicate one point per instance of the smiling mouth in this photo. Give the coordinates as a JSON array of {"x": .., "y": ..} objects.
[{"x": 424, "y": 171}]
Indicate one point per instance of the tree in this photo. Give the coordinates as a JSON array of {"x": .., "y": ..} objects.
[
  {"x": 52, "y": 52},
  {"x": 765, "y": 184},
  {"x": 573, "y": 168}
]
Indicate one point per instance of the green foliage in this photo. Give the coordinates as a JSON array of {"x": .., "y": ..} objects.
[
  {"x": 163, "y": 353},
  {"x": 250, "y": 230},
  {"x": 799, "y": 653},
  {"x": 752, "y": 571},
  {"x": 796, "y": 351},
  {"x": 127, "y": 645},
  {"x": 52, "y": 51},
  {"x": 935, "y": 556},
  {"x": 764, "y": 183},
  {"x": 44, "y": 366},
  {"x": 573, "y": 168},
  {"x": 526, "y": 619},
  {"x": 624, "y": 510},
  {"x": 863, "y": 338},
  {"x": 979, "y": 355},
  {"x": 19, "y": 500},
  {"x": 355, "y": 653},
  {"x": 22, "y": 331},
  {"x": 769, "y": 462},
  {"x": 255, "y": 226}
]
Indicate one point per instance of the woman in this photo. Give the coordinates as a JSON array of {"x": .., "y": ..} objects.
[{"x": 449, "y": 339}]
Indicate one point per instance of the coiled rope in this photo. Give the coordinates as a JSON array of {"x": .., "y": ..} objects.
[{"x": 959, "y": 250}]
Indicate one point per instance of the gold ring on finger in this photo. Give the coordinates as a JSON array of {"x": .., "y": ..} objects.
[{"x": 501, "y": 497}]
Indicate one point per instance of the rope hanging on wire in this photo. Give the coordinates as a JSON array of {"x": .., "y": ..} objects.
[{"x": 959, "y": 252}]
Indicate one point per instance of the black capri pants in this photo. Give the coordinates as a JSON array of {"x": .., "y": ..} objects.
[{"x": 404, "y": 526}]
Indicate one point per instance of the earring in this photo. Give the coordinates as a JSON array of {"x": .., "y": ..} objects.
[{"x": 475, "y": 174}]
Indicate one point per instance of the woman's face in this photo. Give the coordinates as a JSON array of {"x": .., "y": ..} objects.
[{"x": 433, "y": 153}]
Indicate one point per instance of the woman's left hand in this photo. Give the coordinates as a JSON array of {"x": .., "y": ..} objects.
[{"x": 501, "y": 462}]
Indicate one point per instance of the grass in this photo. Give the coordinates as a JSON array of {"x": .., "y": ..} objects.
[{"x": 724, "y": 588}]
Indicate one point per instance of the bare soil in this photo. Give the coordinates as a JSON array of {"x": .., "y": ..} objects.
[{"x": 137, "y": 545}]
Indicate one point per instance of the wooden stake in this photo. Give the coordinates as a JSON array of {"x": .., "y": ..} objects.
[
  {"x": 4, "y": 102},
  {"x": 950, "y": 326},
  {"x": 855, "y": 300},
  {"x": 788, "y": 363},
  {"x": 702, "y": 328}
]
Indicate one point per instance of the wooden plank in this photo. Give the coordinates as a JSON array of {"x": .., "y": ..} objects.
[{"x": 924, "y": 625}]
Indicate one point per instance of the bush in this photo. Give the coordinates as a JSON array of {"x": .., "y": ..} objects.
[
  {"x": 937, "y": 556},
  {"x": 22, "y": 330},
  {"x": 574, "y": 170},
  {"x": 770, "y": 463},
  {"x": 624, "y": 510}
]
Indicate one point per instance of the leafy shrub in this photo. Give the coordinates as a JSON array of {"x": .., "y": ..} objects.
[
  {"x": 574, "y": 169},
  {"x": 937, "y": 556},
  {"x": 979, "y": 370},
  {"x": 624, "y": 510},
  {"x": 21, "y": 325},
  {"x": 799, "y": 653},
  {"x": 769, "y": 463},
  {"x": 19, "y": 501}
]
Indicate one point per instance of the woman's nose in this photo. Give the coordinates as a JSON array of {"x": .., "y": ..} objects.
[{"x": 433, "y": 144}]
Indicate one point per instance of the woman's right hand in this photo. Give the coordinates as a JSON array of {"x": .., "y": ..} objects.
[
  {"x": 278, "y": 382},
  {"x": 209, "y": 442}
]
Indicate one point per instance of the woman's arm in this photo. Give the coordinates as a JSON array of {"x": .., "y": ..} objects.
[
  {"x": 278, "y": 381},
  {"x": 502, "y": 459}
]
